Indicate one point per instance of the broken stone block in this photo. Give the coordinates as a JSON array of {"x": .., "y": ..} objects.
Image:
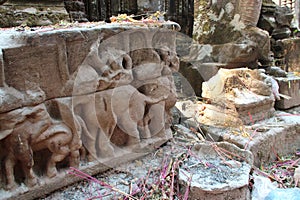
[
  {"x": 289, "y": 86},
  {"x": 231, "y": 26},
  {"x": 279, "y": 133},
  {"x": 196, "y": 73},
  {"x": 216, "y": 171},
  {"x": 245, "y": 94},
  {"x": 266, "y": 139}
]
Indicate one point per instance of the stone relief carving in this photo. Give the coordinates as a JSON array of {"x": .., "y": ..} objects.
[
  {"x": 32, "y": 129},
  {"x": 101, "y": 113},
  {"x": 120, "y": 101}
]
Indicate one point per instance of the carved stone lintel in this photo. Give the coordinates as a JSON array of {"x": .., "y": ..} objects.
[{"x": 107, "y": 101}]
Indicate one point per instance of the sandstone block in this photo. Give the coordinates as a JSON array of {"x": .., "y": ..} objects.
[
  {"x": 81, "y": 89},
  {"x": 244, "y": 94},
  {"x": 289, "y": 86},
  {"x": 209, "y": 177},
  {"x": 292, "y": 58}
]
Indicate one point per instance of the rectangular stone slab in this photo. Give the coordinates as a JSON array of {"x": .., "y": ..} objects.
[{"x": 289, "y": 86}]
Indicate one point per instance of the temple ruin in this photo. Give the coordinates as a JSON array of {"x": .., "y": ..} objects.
[{"x": 88, "y": 86}]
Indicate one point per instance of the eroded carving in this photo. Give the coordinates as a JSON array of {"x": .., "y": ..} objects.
[
  {"x": 32, "y": 129},
  {"x": 100, "y": 114},
  {"x": 114, "y": 102}
]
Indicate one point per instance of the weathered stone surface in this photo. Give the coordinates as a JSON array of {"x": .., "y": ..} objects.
[
  {"x": 289, "y": 86},
  {"x": 215, "y": 177},
  {"x": 250, "y": 48},
  {"x": 32, "y": 13},
  {"x": 94, "y": 93},
  {"x": 282, "y": 138},
  {"x": 263, "y": 138},
  {"x": 229, "y": 27},
  {"x": 292, "y": 58},
  {"x": 76, "y": 10},
  {"x": 36, "y": 70},
  {"x": 283, "y": 16},
  {"x": 196, "y": 73},
  {"x": 243, "y": 94}
]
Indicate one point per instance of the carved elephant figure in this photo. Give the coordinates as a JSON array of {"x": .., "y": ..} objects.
[
  {"x": 35, "y": 132},
  {"x": 122, "y": 107},
  {"x": 102, "y": 69}
]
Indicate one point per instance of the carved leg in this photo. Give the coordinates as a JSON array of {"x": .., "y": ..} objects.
[
  {"x": 31, "y": 180},
  {"x": 9, "y": 168},
  {"x": 89, "y": 138},
  {"x": 51, "y": 166},
  {"x": 27, "y": 163},
  {"x": 107, "y": 150},
  {"x": 89, "y": 124},
  {"x": 132, "y": 140},
  {"x": 131, "y": 129},
  {"x": 143, "y": 127},
  {"x": 74, "y": 158}
]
